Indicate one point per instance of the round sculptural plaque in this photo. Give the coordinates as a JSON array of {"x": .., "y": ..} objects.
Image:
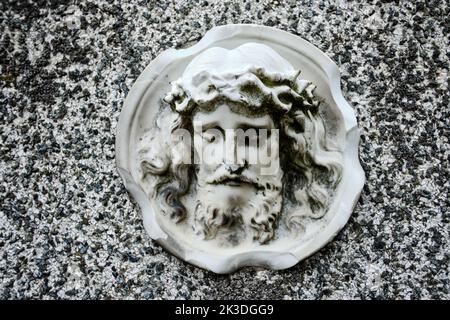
[{"x": 241, "y": 150}]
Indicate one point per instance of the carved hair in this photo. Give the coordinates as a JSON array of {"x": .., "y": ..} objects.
[{"x": 311, "y": 169}]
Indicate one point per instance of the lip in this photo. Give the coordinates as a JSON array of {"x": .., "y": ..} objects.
[{"x": 236, "y": 181}]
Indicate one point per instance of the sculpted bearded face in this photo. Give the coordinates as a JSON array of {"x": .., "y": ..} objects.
[
  {"x": 253, "y": 141},
  {"x": 235, "y": 196}
]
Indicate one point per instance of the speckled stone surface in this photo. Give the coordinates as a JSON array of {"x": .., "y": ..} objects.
[{"x": 68, "y": 228}]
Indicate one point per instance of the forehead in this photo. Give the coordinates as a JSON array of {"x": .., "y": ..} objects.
[{"x": 223, "y": 116}]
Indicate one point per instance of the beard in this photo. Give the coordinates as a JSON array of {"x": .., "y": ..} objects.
[{"x": 231, "y": 216}]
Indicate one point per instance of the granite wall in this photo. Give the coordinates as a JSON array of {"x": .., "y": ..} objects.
[{"x": 68, "y": 228}]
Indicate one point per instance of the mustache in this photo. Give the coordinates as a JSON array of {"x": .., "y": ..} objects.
[
  {"x": 233, "y": 177},
  {"x": 223, "y": 175}
]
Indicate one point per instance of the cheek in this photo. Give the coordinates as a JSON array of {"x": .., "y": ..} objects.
[
  {"x": 213, "y": 154},
  {"x": 210, "y": 153},
  {"x": 211, "y": 148},
  {"x": 254, "y": 168},
  {"x": 205, "y": 170},
  {"x": 267, "y": 153}
]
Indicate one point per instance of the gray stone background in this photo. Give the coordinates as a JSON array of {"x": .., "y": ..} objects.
[{"x": 68, "y": 228}]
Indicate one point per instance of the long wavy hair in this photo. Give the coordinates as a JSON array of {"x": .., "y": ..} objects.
[{"x": 312, "y": 169}]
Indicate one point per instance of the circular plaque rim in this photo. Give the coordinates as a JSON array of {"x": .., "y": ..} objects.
[{"x": 353, "y": 175}]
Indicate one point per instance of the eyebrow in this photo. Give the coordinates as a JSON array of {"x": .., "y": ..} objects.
[
  {"x": 212, "y": 125},
  {"x": 248, "y": 125}
]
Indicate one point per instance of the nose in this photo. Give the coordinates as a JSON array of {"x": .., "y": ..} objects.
[{"x": 235, "y": 157}]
